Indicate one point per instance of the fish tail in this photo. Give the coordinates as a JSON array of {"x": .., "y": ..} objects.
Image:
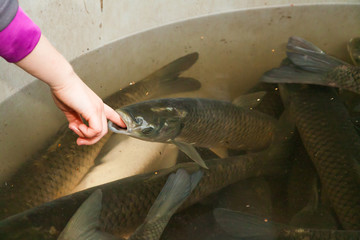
[
  {"x": 178, "y": 85},
  {"x": 309, "y": 57},
  {"x": 168, "y": 77},
  {"x": 170, "y": 73},
  {"x": 84, "y": 224},
  {"x": 243, "y": 225},
  {"x": 175, "y": 68},
  {"x": 176, "y": 190},
  {"x": 291, "y": 74}
]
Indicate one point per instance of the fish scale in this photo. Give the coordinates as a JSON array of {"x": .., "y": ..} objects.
[
  {"x": 126, "y": 202},
  {"x": 346, "y": 76},
  {"x": 210, "y": 123},
  {"x": 333, "y": 145},
  {"x": 221, "y": 173}
]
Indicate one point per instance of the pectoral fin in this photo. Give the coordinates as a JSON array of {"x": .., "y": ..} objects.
[
  {"x": 84, "y": 224},
  {"x": 190, "y": 150},
  {"x": 176, "y": 190}
]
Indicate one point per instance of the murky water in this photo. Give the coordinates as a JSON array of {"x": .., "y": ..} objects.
[{"x": 263, "y": 189}]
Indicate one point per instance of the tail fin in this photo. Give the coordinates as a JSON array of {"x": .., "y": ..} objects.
[
  {"x": 309, "y": 57},
  {"x": 166, "y": 80},
  {"x": 178, "y": 85},
  {"x": 176, "y": 67},
  {"x": 169, "y": 75},
  {"x": 353, "y": 47},
  {"x": 243, "y": 225},
  {"x": 176, "y": 190},
  {"x": 288, "y": 74},
  {"x": 85, "y": 223}
]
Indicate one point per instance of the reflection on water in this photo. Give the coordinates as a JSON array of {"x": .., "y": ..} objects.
[{"x": 302, "y": 184}]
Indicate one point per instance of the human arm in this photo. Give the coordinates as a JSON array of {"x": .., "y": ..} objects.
[
  {"x": 23, "y": 44},
  {"x": 70, "y": 93}
]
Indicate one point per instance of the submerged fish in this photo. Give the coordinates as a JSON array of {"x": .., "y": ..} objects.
[
  {"x": 354, "y": 50},
  {"x": 314, "y": 214},
  {"x": 351, "y": 99},
  {"x": 247, "y": 226},
  {"x": 321, "y": 69},
  {"x": 331, "y": 141},
  {"x": 301, "y": 178},
  {"x": 57, "y": 169},
  {"x": 85, "y": 223},
  {"x": 251, "y": 196},
  {"x": 196, "y": 223},
  {"x": 270, "y": 103},
  {"x": 189, "y": 122},
  {"x": 126, "y": 202}
]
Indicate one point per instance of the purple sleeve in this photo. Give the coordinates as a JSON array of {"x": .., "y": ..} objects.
[{"x": 19, "y": 38}]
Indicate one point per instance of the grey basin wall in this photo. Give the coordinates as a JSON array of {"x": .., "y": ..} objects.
[{"x": 235, "y": 49}]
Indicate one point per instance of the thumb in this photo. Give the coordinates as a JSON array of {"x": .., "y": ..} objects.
[{"x": 113, "y": 116}]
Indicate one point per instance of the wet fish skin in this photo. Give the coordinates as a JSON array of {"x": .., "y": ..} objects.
[
  {"x": 242, "y": 225},
  {"x": 301, "y": 179},
  {"x": 328, "y": 135},
  {"x": 332, "y": 143},
  {"x": 199, "y": 122},
  {"x": 127, "y": 201},
  {"x": 85, "y": 222},
  {"x": 57, "y": 169}
]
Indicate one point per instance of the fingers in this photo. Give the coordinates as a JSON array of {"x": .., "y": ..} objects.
[
  {"x": 98, "y": 127},
  {"x": 94, "y": 132},
  {"x": 113, "y": 116},
  {"x": 87, "y": 105},
  {"x": 74, "y": 126}
]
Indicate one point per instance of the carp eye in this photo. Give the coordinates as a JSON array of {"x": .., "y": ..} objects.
[
  {"x": 139, "y": 120},
  {"x": 147, "y": 130}
]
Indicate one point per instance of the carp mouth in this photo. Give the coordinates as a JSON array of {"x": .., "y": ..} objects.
[{"x": 126, "y": 119}]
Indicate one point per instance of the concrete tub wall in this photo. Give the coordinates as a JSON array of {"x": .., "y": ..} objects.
[
  {"x": 235, "y": 48},
  {"x": 77, "y": 27}
]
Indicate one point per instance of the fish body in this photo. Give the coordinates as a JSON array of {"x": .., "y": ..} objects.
[
  {"x": 199, "y": 122},
  {"x": 126, "y": 202},
  {"x": 57, "y": 169},
  {"x": 301, "y": 179},
  {"x": 85, "y": 222},
  {"x": 246, "y": 226},
  {"x": 324, "y": 125},
  {"x": 333, "y": 145}
]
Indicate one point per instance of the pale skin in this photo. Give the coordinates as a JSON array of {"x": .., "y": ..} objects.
[{"x": 70, "y": 93}]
